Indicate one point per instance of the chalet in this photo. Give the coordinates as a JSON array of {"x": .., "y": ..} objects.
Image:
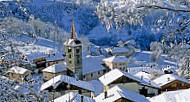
[
  {"x": 171, "y": 82},
  {"x": 116, "y": 62},
  {"x": 18, "y": 74},
  {"x": 64, "y": 83},
  {"x": 54, "y": 70},
  {"x": 92, "y": 67},
  {"x": 120, "y": 94},
  {"x": 118, "y": 77},
  {"x": 73, "y": 97},
  {"x": 54, "y": 58},
  {"x": 37, "y": 59}
]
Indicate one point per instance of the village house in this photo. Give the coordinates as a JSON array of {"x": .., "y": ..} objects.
[
  {"x": 73, "y": 97},
  {"x": 92, "y": 67},
  {"x": 18, "y": 74},
  {"x": 128, "y": 81},
  {"x": 120, "y": 94},
  {"x": 63, "y": 84},
  {"x": 116, "y": 62},
  {"x": 54, "y": 58},
  {"x": 172, "y": 82},
  {"x": 37, "y": 59},
  {"x": 54, "y": 70}
]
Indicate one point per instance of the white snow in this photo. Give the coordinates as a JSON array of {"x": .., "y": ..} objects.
[
  {"x": 115, "y": 59},
  {"x": 118, "y": 92},
  {"x": 92, "y": 64},
  {"x": 54, "y": 57},
  {"x": 18, "y": 70},
  {"x": 167, "y": 78},
  {"x": 56, "y": 81},
  {"x": 144, "y": 75},
  {"x": 74, "y": 97},
  {"x": 172, "y": 96},
  {"x": 56, "y": 68},
  {"x": 119, "y": 50},
  {"x": 116, "y": 73}
]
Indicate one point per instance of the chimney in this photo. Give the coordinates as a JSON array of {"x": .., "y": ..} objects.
[
  {"x": 105, "y": 94},
  {"x": 168, "y": 79},
  {"x": 82, "y": 98}
]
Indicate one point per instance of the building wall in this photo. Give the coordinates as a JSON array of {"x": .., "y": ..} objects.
[
  {"x": 54, "y": 62},
  {"x": 116, "y": 65},
  {"x": 18, "y": 77},
  {"x": 93, "y": 76},
  {"x": 47, "y": 76},
  {"x": 175, "y": 85}
]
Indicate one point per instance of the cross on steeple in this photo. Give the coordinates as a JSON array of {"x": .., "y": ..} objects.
[{"x": 73, "y": 35}]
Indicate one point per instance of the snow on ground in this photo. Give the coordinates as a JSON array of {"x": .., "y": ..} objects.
[{"x": 142, "y": 62}]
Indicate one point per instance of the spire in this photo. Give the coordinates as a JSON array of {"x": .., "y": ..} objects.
[{"x": 73, "y": 35}]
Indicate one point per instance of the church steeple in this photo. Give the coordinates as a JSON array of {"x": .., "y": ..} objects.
[
  {"x": 73, "y": 52},
  {"x": 73, "y": 35}
]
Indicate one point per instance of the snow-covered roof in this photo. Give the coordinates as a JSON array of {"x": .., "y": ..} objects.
[
  {"x": 92, "y": 64},
  {"x": 167, "y": 78},
  {"x": 18, "y": 70},
  {"x": 172, "y": 96},
  {"x": 119, "y": 50},
  {"x": 144, "y": 75},
  {"x": 72, "y": 42},
  {"x": 56, "y": 68},
  {"x": 34, "y": 56},
  {"x": 74, "y": 97},
  {"x": 56, "y": 81},
  {"x": 113, "y": 75},
  {"x": 98, "y": 86},
  {"x": 115, "y": 59},
  {"x": 118, "y": 92},
  {"x": 54, "y": 57}
]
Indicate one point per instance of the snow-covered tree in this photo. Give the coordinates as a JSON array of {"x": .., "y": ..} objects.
[
  {"x": 184, "y": 69},
  {"x": 118, "y": 13},
  {"x": 11, "y": 91},
  {"x": 156, "y": 49}
]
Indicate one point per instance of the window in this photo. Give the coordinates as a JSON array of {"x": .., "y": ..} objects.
[
  {"x": 77, "y": 50},
  {"x": 69, "y": 56},
  {"x": 69, "y": 50},
  {"x": 78, "y": 61},
  {"x": 70, "y": 62},
  {"x": 84, "y": 77},
  {"x": 91, "y": 75},
  {"x": 98, "y": 73}
]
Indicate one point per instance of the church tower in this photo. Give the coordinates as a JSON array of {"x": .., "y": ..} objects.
[{"x": 73, "y": 52}]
